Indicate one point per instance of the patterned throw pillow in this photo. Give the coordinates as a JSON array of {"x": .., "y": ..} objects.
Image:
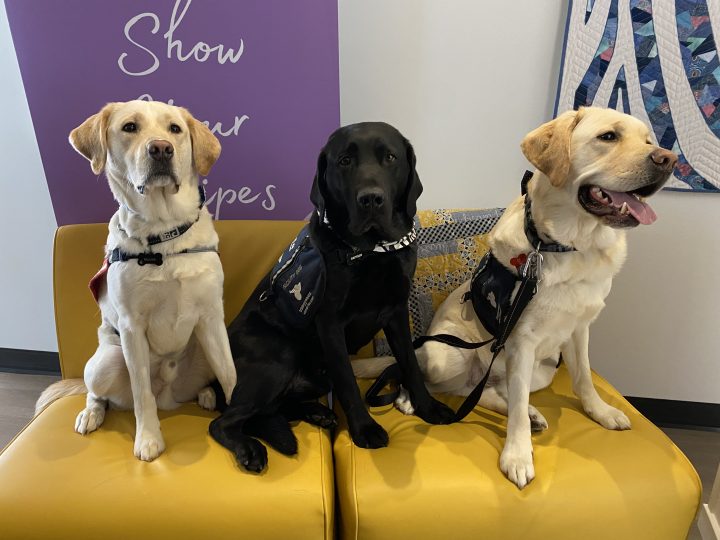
[{"x": 450, "y": 244}]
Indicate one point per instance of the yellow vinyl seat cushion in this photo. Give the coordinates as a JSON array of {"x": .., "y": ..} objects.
[
  {"x": 56, "y": 484},
  {"x": 444, "y": 481}
]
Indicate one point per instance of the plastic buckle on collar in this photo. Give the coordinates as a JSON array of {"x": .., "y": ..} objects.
[{"x": 150, "y": 258}]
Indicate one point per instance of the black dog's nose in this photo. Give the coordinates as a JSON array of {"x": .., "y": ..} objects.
[
  {"x": 370, "y": 198},
  {"x": 664, "y": 159},
  {"x": 161, "y": 150}
]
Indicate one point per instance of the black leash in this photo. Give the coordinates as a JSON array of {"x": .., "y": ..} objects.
[
  {"x": 525, "y": 293},
  {"x": 531, "y": 276}
]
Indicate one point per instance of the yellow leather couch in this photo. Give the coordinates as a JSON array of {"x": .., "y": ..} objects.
[{"x": 431, "y": 482}]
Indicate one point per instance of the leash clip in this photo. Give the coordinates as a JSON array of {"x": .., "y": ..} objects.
[{"x": 532, "y": 268}]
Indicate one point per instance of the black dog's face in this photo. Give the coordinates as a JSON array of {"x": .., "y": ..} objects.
[{"x": 366, "y": 182}]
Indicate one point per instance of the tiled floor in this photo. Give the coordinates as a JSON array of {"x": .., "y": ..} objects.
[{"x": 19, "y": 392}]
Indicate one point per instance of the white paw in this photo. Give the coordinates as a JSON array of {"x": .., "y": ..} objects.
[
  {"x": 403, "y": 403},
  {"x": 608, "y": 417},
  {"x": 537, "y": 420},
  {"x": 148, "y": 446},
  {"x": 207, "y": 398},
  {"x": 517, "y": 464},
  {"x": 89, "y": 420}
]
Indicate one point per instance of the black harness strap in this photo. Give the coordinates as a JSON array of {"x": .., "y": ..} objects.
[
  {"x": 528, "y": 288},
  {"x": 531, "y": 275}
]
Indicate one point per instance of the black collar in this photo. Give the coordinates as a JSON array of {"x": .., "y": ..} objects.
[
  {"x": 148, "y": 257},
  {"x": 350, "y": 254},
  {"x": 117, "y": 255},
  {"x": 179, "y": 230},
  {"x": 531, "y": 231}
]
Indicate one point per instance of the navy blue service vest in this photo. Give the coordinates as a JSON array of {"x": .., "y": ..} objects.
[{"x": 298, "y": 281}]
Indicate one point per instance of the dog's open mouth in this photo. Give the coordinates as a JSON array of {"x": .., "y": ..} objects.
[{"x": 618, "y": 208}]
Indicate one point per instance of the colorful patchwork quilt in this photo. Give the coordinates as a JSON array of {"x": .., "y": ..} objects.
[
  {"x": 450, "y": 244},
  {"x": 657, "y": 61}
]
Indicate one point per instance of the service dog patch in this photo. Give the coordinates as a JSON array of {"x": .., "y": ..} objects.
[{"x": 298, "y": 281}]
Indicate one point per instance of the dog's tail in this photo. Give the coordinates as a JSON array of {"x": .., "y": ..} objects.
[
  {"x": 368, "y": 368},
  {"x": 66, "y": 387}
]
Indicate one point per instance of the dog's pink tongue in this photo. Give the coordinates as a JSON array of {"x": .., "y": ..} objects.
[{"x": 639, "y": 210}]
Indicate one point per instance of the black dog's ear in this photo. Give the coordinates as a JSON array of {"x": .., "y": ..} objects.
[
  {"x": 316, "y": 194},
  {"x": 414, "y": 187}
]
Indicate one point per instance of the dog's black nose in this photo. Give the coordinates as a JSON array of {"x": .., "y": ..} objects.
[
  {"x": 664, "y": 159},
  {"x": 161, "y": 150},
  {"x": 370, "y": 198}
]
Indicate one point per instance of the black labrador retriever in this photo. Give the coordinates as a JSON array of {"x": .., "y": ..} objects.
[{"x": 365, "y": 194}]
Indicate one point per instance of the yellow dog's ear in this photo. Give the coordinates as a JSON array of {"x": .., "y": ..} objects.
[
  {"x": 90, "y": 138},
  {"x": 206, "y": 146},
  {"x": 548, "y": 147}
]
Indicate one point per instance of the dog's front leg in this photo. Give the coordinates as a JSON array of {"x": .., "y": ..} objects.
[
  {"x": 365, "y": 431},
  {"x": 516, "y": 460},
  {"x": 213, "y": 338},
  {"x": 397, "y": 331},
  {"x": 149, "y": 442},
  {"x": 576, "y": 357}
]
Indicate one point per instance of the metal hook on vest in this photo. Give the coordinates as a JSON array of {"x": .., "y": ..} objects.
[{"x": 533, "y": 266}]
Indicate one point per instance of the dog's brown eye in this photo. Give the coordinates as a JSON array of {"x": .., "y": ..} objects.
[
  {"x": 344, "y": 161},
  {"x": 175, "y": 128},
  {"x": 130, "y": 127},
  {"x": 609, "y": 136},
  {"x": 391, "y": 157}
]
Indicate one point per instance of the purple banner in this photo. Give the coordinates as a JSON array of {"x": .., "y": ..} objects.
[{"x": 263, "y": 74}]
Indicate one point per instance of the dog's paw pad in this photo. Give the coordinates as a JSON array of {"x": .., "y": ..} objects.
[
  {"x": 326, "y": 420},
  {"x": 537, "y": 420},
  {"x": 207, "y": 399},
  {"x": 517, "y": 466},
  {"x": 251, "y": 455},
  {"x": 89, "y": 420},
  {"x": 148, "y": 447}
]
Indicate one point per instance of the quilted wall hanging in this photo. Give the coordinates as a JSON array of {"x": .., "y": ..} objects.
[{"x": 658, "y": 61}]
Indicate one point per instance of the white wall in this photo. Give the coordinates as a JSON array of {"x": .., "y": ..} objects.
[
  {"x": 465, "y": 89},
  {"x": 27, "y": 222}
]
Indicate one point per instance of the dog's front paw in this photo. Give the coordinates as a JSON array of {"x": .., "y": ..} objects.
[
  {"x": 89, "y": 420},
  {"x": 516, "y": 461},
  {"x": 251, "y": 455},
  {"x": 207, "y": 398},
  {"x": 435, "y": 412},
  {"x": 148, "y": 446},
  {"x": 608, "y": 417},
  {"x": 370, "y": 435}
]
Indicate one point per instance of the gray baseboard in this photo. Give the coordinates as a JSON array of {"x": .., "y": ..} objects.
[{"x": 26, "y": 361}]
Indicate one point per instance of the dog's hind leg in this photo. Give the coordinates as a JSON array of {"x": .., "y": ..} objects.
[
  {"x": 260, "y": 386},
  {"x": 107, "y": 380},
  {"x": 274, "y": 430},
  {"x": 228, "y": 431}
]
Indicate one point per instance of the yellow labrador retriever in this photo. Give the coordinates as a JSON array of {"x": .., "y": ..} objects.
[
  {"x": 594, "y": 168},
  {"x": 162, "y": 337}
]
